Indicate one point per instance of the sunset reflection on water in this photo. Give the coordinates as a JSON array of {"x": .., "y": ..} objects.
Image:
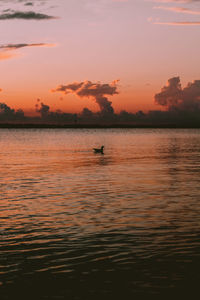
[{"x": 122, "y": 223}]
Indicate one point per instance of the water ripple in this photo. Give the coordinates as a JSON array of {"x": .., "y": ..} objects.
[{"x": 83, "y": 226}]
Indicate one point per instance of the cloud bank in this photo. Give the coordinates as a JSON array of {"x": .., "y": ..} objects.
[{"x": 182, "y": 107}]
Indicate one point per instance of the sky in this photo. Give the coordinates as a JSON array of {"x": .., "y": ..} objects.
[{"x": 134, "y": 46}]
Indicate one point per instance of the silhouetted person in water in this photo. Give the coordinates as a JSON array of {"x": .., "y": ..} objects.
[{"x": 99, "y": 150}]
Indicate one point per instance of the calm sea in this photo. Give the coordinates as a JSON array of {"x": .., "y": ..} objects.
[{"x": 79, "y": 225}]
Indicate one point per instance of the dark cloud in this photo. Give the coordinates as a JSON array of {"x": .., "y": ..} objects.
[
  {"x": 8, "y": 51},
  {"x": 97, "y": 91},
  {"x": 24, "y": 1},
  {"x": 29, "y": 4},
  {"x": 9, "y": 114},
  {"x": 57, "y": 117},
  {"x": 170, "y": 94},
  {"x": 26, "y": 15},
  {"x": 9, "y": 47},
  {"x": 5, "y": 109},
  {"x": 171, "y": 118},
  {"x": 87, "y": 113},
  {"x": 43, "y": 109},
  {"x": 174, "y": 97}
]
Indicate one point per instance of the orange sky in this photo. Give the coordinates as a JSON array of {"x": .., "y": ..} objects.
[{"x": 50, "y": 43}]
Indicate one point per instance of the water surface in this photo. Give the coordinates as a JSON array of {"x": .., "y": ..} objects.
[{"x": 79, "y": 225}]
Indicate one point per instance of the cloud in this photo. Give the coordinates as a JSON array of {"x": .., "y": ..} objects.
[
  {"x": 26, "y": 15},
  {"x": 187, "y": 23},
  {"x": 176, "y": 1},
  {"x": 170, "y": 94},
  {"x": 174, "y": 97},
  {"x": 8, "y": 47},
  {"x": 26, "y": 2},
  {"x": 120, "y": 1},
  {"x": 86, "y": 113},
  {"x": 43, "y": 109},
  {"x": 181, "y": 10},
  {"x": 29, "y": 4},
  {"x": 7, "y": 51},
  {"x": 9, "y": 114},
  {"x": 97, "y": 91},
  {"x": 54, "y": 117},
  {"x": 5, "y": 109}
]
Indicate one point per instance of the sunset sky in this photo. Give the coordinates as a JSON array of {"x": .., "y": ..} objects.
[{"x": 142, "y": 43}]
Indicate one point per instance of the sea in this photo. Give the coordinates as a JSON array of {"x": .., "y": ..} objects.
[{"x": 120, "y": 225}]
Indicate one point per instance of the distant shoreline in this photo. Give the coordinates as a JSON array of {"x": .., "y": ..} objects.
[{"x": 98, "y": 126}]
